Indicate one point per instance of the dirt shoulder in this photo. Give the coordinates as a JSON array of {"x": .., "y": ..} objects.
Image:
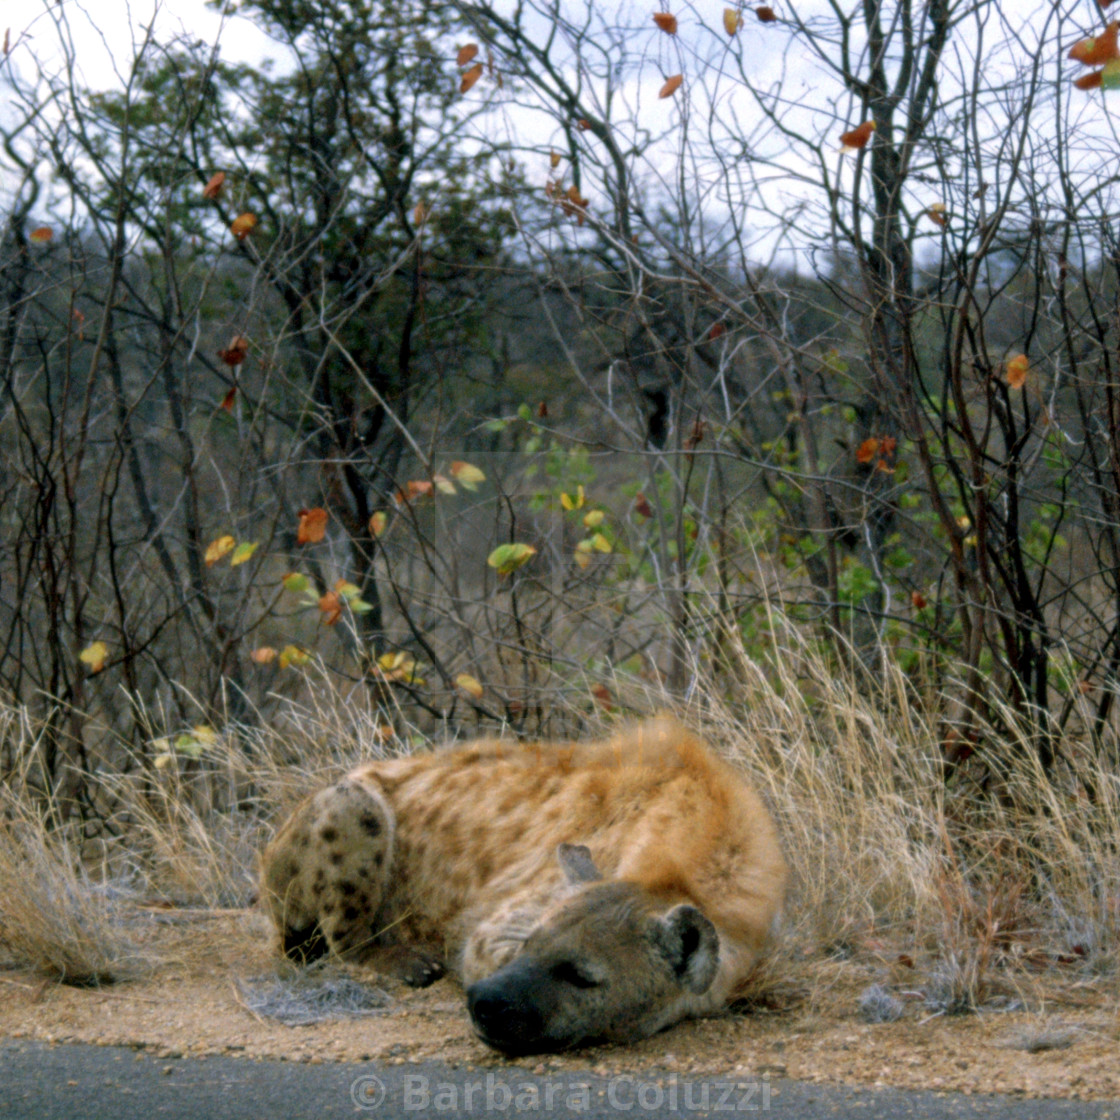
[{"x": 1067, "y": 1045}]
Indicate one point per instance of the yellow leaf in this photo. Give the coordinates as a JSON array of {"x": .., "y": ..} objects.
[
  {"x": 378, "y": 522},
  {"x": 215, "y": 550},
  {"x": 469, "y": 685},
  {"x": 443, "y": 484},
  {"x": 163, "y": 761},
  {"x": 94, "y": 656},
  {"x": 554, "y": 158},
  {"x": 466, "y": 475},
  {"x": 293, "y": 655},
  {"x": 732, "y": 20},
  {"x": 593, "y": 519},
  {"x": 600, "y": 543},
  {"x": 570, "y": 503}
]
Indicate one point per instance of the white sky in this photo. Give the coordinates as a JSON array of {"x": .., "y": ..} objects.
[{"x": 105, "y": 31}]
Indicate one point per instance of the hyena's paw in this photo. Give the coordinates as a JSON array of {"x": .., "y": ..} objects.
[{"x": 415, "y": 967}]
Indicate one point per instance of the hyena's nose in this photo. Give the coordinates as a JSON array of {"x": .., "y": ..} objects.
[{"x": 503, "y": 1019}]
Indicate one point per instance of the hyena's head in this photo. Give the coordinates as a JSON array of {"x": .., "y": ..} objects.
[{"x": 606, "y": 963}]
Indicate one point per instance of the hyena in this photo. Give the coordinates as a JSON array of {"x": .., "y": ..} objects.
[{"x": 580, "y": 892}]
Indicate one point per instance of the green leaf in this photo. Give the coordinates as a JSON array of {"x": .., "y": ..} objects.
[
  {"x": 242, "y": 553},
  {"x": 1110, "y": 75},
  {"x": 508, "y": 558}
]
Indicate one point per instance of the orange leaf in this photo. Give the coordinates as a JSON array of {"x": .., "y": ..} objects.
[
  {"x": 576, "y": 198},
  {"x": 583, "y": 124},
  {"x": 671, "y": 85},
  {"x": 377, "y": 523},
  {"x": 716, "y": 330},
  {"x": 1092, "y": 80},
  {"x": 470, "y": 77},
  {"x": 553, "y": 158},
  {"x": 666, "y": 21},
  {"x": 1104, "y": 48},
  {"x": 263, "y": 655},
  {"x": 918, "y": 599},
  {"x": 312, "y": 525},
  {"x": 234, "y": 355},
  {"x": 228, "y": 399},
  {"x": 858, "y": 137},
  {"x": 765, "y": 14},
  {"x": 867, "y": 450},
  {"x": 732, "y": 20},
  {"x": 466, "y": 54},
  {"x": 213, "y": 187},
  {"x": 243, "y": 225},
  {"x": 41, "y": 235},
  {"x": 331, "y": 606},
  {"x": 936, "y": 214},
  {"x": 1016, "y": 371}
]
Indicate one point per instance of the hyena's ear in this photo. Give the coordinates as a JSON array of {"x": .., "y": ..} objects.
[
  {"x": 690, "y": 944},
  {"x": 577, "y": 864}
]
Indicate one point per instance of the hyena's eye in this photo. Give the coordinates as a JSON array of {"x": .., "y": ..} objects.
[{"x": 568, "y": 972}]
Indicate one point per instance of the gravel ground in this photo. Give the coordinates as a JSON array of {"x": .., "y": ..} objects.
[{"x": 194, "y": 1002}]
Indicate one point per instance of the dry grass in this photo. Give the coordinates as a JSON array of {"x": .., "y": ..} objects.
[
  {"x": 970, "y": 881},
  {"x": 54, "y": 917}
]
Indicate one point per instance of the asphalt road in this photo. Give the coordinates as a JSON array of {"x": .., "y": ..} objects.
[{"x": 77, "y": 1082}]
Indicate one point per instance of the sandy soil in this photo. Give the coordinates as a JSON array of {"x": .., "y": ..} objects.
[{"x": 191, "y": 1004}]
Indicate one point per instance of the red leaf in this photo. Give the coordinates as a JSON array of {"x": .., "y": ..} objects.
[
  {"x": 858, "y": 137},
  {"x": 1092, "y": 80},
  {"x": 1104, "y": 48},
  {"x": 235, "y": 353},
  {"x": 229, "y": 398},
  {"x": 765, "y": 14}
]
